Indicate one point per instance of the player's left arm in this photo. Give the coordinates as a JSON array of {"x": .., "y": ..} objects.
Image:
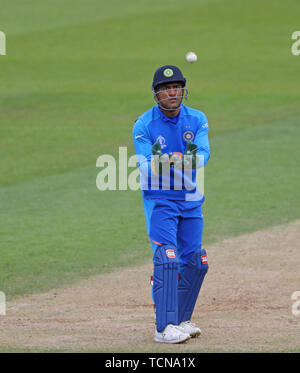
[{"x": 202, "y": 141}]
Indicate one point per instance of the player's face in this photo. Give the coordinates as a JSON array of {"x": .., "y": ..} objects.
[{"x": 169, "y": 96}]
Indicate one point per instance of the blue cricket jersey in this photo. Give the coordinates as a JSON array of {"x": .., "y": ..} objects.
[{"x": 173, "y": 135}]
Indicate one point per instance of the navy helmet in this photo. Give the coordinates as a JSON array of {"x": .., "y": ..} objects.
[{"x": 167, "y": 74}]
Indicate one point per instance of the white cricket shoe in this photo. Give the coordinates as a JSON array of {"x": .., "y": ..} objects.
[
  {"x": 171, "y": 334},
  {"x": 189, "y": 328}
]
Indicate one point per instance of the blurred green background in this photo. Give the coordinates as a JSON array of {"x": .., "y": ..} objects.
[{"x": 75, "y": 77}]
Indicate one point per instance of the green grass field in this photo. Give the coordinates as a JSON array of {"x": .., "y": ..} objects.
[{"x": 76, "y": 76}]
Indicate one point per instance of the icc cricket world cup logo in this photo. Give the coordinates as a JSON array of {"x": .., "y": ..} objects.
[{"x": 2, "y": 44}]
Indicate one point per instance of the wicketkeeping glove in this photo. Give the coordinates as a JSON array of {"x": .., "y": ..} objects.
[
  {"x": 190, "y": 158},
  {"x": 160, "y": 161}
]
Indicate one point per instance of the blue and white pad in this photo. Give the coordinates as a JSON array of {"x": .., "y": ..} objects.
[
  {"x": 190, "y": 283},
  {"x": 165, "y": 282}
]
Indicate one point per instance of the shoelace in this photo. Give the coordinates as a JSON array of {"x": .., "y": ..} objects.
[{"x": 189, "y": 323}]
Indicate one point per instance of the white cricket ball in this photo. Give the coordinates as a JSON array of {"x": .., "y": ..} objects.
[{"x": 191, "y": 57}]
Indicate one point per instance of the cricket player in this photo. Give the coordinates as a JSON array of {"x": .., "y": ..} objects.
[{"x": 171, "y": 143}]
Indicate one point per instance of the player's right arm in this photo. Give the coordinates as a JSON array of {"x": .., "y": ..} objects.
[
  {"x": 150, "y": 157},
  {"x": 143, "y": 147}
]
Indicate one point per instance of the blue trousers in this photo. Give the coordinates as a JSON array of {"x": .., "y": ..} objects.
[{"x": 178, "y": 223}]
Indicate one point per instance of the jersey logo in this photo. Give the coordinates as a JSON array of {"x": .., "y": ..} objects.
[
  {"x": 162, "y": 141},
  {"x": 138, "y": 136},
  {"x": 188, "y": 136}
]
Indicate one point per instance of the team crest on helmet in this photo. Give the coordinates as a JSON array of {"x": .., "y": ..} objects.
[
  {"x": 162, "y": 141},
  {"x": 168, "y": 73},
  {"x": 188, "y": 136}
]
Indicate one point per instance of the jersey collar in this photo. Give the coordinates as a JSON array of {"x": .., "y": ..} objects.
[{"x": 165, "y": 118}]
